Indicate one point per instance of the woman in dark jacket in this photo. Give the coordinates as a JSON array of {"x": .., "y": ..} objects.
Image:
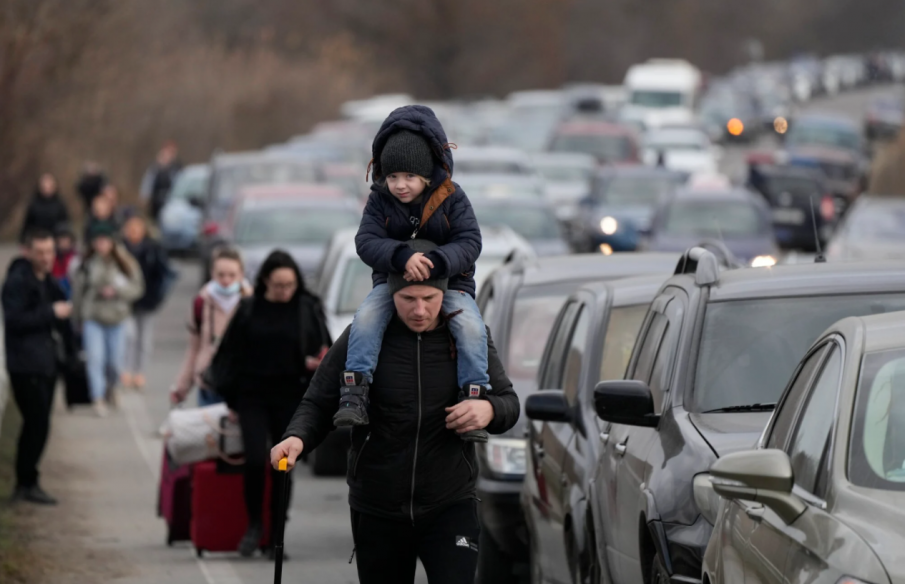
[
  {"x": 262, "y": 368},
  {"x": 46, "y": 210}
]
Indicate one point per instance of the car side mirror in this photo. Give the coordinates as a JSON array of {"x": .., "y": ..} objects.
[
  {"x": 548, "y": 405},
  {"x": 625, "y": 401},
  {"x": 764, "y": 476}
]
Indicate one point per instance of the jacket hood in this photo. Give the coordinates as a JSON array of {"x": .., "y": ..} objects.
[{"x": 422, "y": 120}]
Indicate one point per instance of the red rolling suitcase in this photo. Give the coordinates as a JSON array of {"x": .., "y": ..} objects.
[
  {"x": 219, "y": 519},
  {"x": 174, "y": 502}
]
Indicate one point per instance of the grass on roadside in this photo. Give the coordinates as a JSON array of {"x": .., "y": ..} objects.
[{"x": 15, "y": 558}]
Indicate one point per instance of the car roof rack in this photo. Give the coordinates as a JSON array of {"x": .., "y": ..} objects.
[{"x": 702, "y": 263}]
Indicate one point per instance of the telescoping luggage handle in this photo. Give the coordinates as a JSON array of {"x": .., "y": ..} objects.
[{"x": 281, "y": 522}]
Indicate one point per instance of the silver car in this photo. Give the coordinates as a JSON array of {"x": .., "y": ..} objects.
[
  {"x": 180, "y": 218},
  {"x": 822, "y": 498},
  {"x": 874, "y": 228}
]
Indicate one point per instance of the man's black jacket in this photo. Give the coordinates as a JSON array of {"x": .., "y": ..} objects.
[
  {"x": 405, "y": 464},
  {"x": 29, "y": 321}
]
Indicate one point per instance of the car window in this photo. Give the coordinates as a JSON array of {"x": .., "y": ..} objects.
[
  {"x": 713, "y": 219},
  {"x": 877, "y": 453},
  {"x": 577, "y": 346},
  {"x": 230, "y": 179},
  {"x": 621, "y": 332},
  {"x": 750, "y": 348},
  {"x": 882, "y": 222},
  {"x": 811, "y": 441},
  {"x": 189, "y": 184},
  {"x": 533, "y": 315},
  {"x": 287, "y": 225},
  {"x": 661, "y": 371},
  {"x": 650, "y": 347},
  {"x": 354, "y": 286},
  {"x": 634, "y": 190},
  {"x": 788, "y": 410},
  {"x": 551, "y": 376},
  {"x": 529, "y": 222}
]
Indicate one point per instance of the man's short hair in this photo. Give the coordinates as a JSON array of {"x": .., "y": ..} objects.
[{"x": 37, "y": 234}]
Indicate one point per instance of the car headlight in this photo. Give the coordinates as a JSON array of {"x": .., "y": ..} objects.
[
  {"x": 608, "y": 225},
  {"x": 506, "y": 456},
  {"x": 763, "y": 261},
  {"x": 706, "y": 498}
]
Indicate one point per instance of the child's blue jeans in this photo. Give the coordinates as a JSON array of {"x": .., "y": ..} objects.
[{"x": 467, "y": 328}]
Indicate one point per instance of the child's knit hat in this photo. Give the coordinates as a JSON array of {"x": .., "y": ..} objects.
[{"x": 407, "y": 152}]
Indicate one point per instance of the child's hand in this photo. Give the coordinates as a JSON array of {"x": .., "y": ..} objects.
[{"x": 418, "y": 268}]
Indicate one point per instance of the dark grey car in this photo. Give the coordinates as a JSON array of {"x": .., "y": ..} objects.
[
  {"x": 591, "y": 340},
  {"x": 713, "y": 356},
  {"x": 519, "y": 303}
]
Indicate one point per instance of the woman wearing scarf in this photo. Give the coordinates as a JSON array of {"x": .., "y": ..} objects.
[{"x": 212, "y": 310}]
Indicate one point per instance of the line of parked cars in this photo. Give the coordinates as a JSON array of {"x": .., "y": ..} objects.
[{"x": 657, "y": 367}]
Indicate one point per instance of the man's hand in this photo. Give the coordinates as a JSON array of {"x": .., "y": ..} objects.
[
  {"x": 472, "y": 414},
  {"x": 289, "y": 448},
  {"x": 62, "y": 310},
  {"x": 108, "y": 292},
  {"x": 418, "y": 268}
]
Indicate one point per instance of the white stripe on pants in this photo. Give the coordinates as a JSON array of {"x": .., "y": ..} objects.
[{"x": 139, "y": 342}]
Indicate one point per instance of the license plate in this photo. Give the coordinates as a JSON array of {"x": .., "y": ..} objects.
[{"x": 788, "y": 216}]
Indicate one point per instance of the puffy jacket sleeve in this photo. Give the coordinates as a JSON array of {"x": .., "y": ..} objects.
[
  {"x": 313, "y": 419},
  {"x": 18, "y": 317},
  {"x": 372, "y": 243},
  {"x": 502, "y": 397},
  {"x": 134, "y": 286},
  {"x": 464, "y": 245}
]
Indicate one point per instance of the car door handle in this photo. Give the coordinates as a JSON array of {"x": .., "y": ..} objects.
[
  {"x": 621, "y": 448},
  {"x": 755, "y": 512},
  {"x": 604, "y": 437}
]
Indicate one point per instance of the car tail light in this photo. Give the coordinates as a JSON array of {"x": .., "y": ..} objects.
[
  {"x": 210, "y": 228},
  {"x": 827, "y": 208}
]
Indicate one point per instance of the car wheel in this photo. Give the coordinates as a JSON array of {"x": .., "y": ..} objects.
[
  {"x": 658, "y": 574},
  {"x": 494, "y": 565}
]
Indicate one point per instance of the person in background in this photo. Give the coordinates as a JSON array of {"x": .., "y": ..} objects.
[
  {"x": 46, "y": 209},
  {"x": 272, "y": 345},
  {"x": 65, "y": 253},
  {"x": 159, "y": 278},
  {"x": 90, "y": 184},
  {"x": 212, "y": 309},
  {"x": 159, "y": 178},
  {"x": 106, "y": 283},
  {"x": 33, "y": 308},
  {"x": 105, "y": 209}
]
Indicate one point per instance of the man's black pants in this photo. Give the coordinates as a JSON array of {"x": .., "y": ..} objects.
[
  {"x": 447, "y": 544},
  {"x": 34, "y": 397}
]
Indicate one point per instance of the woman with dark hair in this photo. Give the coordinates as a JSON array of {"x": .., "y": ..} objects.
[
  {"x": 268, "y": 353},
  {"x": 107, "y": 281}
]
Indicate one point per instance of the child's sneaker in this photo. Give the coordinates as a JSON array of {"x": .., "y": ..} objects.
[
  {"x": 473, "y": 391},
  {"x": 353, "y": 401}
]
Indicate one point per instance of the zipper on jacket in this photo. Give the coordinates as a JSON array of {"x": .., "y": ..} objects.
[
  {"x": 358, "y": 457},
  {"x": 417, "y": 433}
]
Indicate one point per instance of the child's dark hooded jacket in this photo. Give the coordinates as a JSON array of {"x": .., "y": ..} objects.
[{"x": 446, "y": 216}]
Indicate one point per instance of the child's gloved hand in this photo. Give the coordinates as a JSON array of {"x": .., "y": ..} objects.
[{"x": 418, "y": 268}]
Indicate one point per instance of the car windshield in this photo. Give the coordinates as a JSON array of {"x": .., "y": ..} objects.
[
  {"x": 552, "y": 173},
  {"x": 713, "y": 219},
  {"x": 877, "y": 453},
  {"x": 231, "y": 179},
  {"x": 811, "y": 135},
  {"x": 750, "y": 348},
  {"x": 354, "y": 286},
  {"x": 529, "y": 222},
  {"x": 676, "y": 141},
  {"x": 656, "y": 98},
  {"x": 604, "y": 147},
  {"x": 489, "y": 166},
  {"x": 634, "y": 190},
  {"x": 292, "y": 225},
  {"x": 878, "y": 223},
  {"x": 502, "y": 189},
  {"x": 794, "y": 185},
  {"x": 532, "y": 319},
  {"x": 190, "y": 184}
]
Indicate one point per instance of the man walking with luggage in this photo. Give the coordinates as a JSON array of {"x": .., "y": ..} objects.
[
  {"x": 33, "y": 307},
  {"x": 411, "y": 478}
]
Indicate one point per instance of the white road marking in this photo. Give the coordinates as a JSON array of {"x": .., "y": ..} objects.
[{"x": 218, "y": 571}]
